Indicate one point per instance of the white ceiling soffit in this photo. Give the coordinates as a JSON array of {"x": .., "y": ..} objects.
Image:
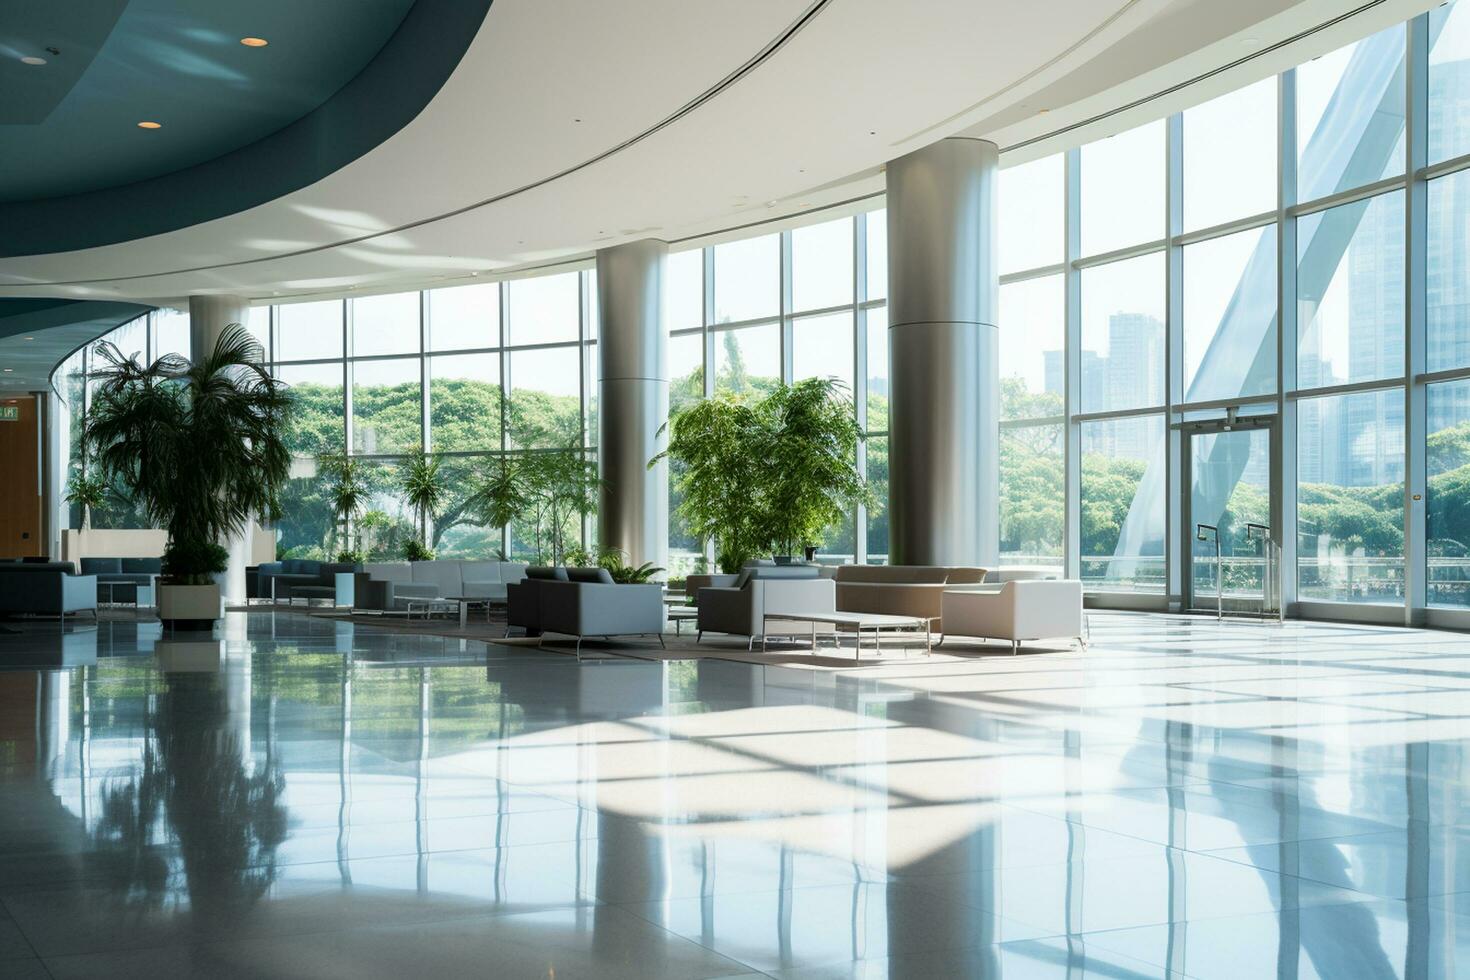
[{"x": 574, "y": 124}]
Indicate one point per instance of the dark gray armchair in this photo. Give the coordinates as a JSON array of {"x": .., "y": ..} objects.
[{"x": 46, "y": 589}]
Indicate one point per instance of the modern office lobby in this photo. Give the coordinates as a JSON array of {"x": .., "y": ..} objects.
[{"x": 797, "y": 489}]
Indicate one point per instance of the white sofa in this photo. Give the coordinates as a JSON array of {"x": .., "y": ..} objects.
[
  {"x": 1029, "y": 609},
  {"x": 405, "y": 580}
]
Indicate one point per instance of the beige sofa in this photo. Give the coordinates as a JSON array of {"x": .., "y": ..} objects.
[
  {"x": 901, "y": 590},
  {"x": 1021, "y": 610}
]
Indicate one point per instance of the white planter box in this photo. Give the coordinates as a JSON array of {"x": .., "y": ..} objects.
[{"x": 189, "y": 606}]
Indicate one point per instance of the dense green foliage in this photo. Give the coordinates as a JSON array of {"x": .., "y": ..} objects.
[
  {"x": 766, "y": 472},
  {"x": 87, "y": 491},
  {"x": 199, "y": 446}
]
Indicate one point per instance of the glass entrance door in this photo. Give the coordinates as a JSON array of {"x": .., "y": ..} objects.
[{"x": 1231, "y": 565}]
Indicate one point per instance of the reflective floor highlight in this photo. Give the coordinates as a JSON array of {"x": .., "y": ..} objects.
[{"x": 303, "y": 797}]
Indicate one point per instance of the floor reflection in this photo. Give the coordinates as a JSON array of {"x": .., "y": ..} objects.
[{"x": 299, "y": 795}]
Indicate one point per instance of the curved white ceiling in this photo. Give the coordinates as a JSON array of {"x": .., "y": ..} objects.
[{"x": 561, "y": 131}]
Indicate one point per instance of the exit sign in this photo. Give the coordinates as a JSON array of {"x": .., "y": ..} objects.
[{"x": 9, "y": 413}]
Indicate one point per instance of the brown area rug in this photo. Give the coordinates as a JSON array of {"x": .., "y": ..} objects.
[{"x": 897, "y": 647}]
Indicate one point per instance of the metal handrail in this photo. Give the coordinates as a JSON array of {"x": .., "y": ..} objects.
[
  {"x": 1199, "y": 534},
  {"x": 1263, "y": 531}
]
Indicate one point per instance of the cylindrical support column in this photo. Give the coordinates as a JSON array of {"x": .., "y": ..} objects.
[
  {"x": 633, "y": 401},
  {"x": 208, "y": 317},
  {"x": 943, "y": 288}
]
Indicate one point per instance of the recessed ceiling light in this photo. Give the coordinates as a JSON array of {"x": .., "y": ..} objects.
[
  {"x": 149, "y": 124},
  {"x": 8, "y": 370},
  {"x": 30, "y": 338},
  {"x": 254, "y": 42},
  {"x": 31, "y": 59}
]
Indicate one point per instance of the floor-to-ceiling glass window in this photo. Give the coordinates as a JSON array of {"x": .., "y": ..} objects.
[
  {"x": 1032, "y": 362},
  {"x": 473, "y": 374}
]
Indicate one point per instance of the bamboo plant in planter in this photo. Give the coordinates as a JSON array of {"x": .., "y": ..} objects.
[{"x": 200, "y": 447}]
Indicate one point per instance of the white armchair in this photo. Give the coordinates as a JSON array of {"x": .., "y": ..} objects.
[{"x": 1020, "y": 610}]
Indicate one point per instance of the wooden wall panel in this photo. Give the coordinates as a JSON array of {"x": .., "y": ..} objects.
[{"x": 20, "y": 501}]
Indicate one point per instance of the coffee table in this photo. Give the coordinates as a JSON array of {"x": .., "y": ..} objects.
[
  {"x": 679, "y": 615},
  {"x": 873, "y": 623},
  {"x": 429, "y": 606},
  {"x": 466, "y": 601}
]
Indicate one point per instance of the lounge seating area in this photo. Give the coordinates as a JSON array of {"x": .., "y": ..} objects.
[{"x": 125, "y": 580}]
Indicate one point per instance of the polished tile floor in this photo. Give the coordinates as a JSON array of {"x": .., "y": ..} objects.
[{"x": 307, "y": 798}]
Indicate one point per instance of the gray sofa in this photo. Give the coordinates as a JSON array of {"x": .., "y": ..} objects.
[
  {"x": 390, "y": 585},
  {"x": 50, "y": 588},
  {"x": 298, "y": 578},
  {"x": 584, "y": 602},
  {"x": 127, "y": 579},
  {"x": 741, "y": 608}
]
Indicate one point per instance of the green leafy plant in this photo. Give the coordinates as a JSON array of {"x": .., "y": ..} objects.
[
  {"x": 347, "y": 491},
  {"x": 546, "y": 493},
  {"x": 616, "y": 563},
  {"x": 351, "y": 557},
  {"x": 578, "y": 558},
  {"x": 416, "y": 550},
  {"x": 501, "y": 494},
  {"x": 810, "y": 479},
  {"x": 87, "y": 491},
  {"x": 199, "y": 446},
  {"x": 190, "y": 560},
  {"x": 423, "y": 489},
  {"x": 764, "y": 473},
  {"x": 718, "y": 444}
]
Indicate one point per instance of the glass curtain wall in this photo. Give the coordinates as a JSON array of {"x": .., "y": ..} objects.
[
  {"x": 473, "y": 374},
  {"x": 1234, "y": 257}
]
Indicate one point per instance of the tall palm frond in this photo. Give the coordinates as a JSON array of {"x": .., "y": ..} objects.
[{"x": 199, "y": 445}]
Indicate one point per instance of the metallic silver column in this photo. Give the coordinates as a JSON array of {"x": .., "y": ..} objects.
[
  {"x": 943, "y": 288},
  {"x": 208, "y": 317},
  {"x": 633, "y": 400}
]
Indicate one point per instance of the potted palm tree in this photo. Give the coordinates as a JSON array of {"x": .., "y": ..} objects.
[
  {"x": 423, "y": 490},
  {"x": 348, "y": 494},
  {"x": 200, "y": 447}
]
